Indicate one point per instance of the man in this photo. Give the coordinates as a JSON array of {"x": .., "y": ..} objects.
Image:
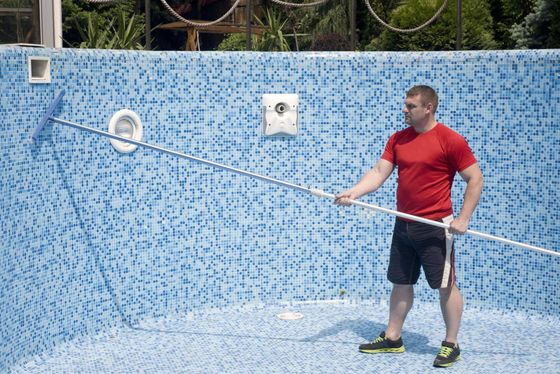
[{"x": 427, "y": 155}]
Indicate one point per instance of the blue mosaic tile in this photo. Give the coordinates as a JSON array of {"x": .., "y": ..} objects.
[
  {"x": 252, "y": 339},
  {"x": 94, "y": 240}
]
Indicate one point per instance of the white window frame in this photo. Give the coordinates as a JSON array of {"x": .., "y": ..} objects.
[{"x": 51, "y": 23}]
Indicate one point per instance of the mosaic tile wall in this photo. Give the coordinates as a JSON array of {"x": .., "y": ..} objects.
[{"x": 94, "y": 239}]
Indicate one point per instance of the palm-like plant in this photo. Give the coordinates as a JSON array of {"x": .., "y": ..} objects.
[
  {"x": 127, "y": 34},
  {"x": 93, "y": 36},
  {"x": 273, "y": 38}
]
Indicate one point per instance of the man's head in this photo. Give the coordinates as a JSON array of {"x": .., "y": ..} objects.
[{"x": 420, "y": 105}]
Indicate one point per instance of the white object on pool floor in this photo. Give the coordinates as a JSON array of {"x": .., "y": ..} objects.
[{"x": 289, "y": 316}]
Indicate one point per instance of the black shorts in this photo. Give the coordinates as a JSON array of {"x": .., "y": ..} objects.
[{"x": 417, "y": 244}]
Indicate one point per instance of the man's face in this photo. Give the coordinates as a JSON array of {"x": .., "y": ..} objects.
[{"x": 415, "y": 113}]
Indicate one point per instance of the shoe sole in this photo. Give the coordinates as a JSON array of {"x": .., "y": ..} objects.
[
  {"x": 384, "y": 350},
  {"x": 449, "y": 364}
]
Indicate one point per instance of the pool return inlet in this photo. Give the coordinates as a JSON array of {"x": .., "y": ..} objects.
[{"x": 48, "y": 116}]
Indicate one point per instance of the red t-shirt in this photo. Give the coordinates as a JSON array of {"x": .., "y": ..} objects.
[{"x": 426, "y": 165}]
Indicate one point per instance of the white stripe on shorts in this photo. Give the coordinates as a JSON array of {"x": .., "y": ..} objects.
[{"x": 448, "y": 251}]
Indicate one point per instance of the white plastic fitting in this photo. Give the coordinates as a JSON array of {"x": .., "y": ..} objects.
[
  {"x": 320, "y": 193},
  {"x": 125, "y": 123},
  {"x": 280, "y": 114}
]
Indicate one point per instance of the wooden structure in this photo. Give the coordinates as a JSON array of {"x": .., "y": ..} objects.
[
  {"x": 239, "y": 22},
  {"x": 219, "y": 28}
]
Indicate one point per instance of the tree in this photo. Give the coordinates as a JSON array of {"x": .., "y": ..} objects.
[
  {"x": 330, "y": 42},
  {"x": 540, "y": 28},
  {"x": 440, "y": 35},
  {"x": 236, "y": 42},
  {"x": 505, "y": 14},
  {"x": 368, "y": 27},
  {"x": 333, "y": 17}
]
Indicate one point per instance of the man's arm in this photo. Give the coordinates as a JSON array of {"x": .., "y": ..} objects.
[
  {"x": 371, "y": 181},
  {"x": 473, "y": 176}
]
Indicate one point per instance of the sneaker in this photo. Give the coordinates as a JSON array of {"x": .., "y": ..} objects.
[
  {"x": 448, "y": 354},
  {"x": 383, "y": 345}
]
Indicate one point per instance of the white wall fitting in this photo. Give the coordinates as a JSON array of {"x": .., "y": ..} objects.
[
  {"x": 280, "y": 114},
  {"x": 125, "y": 123},
  {"x": 39, "y": 69}
]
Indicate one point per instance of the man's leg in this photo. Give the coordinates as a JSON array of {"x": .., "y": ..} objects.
[
  {"x": 390, "y": 341},
  {"x": 451, "y": 302},
  {"x": 402, "y": 298},
  {"x": 403, "y": 272}
]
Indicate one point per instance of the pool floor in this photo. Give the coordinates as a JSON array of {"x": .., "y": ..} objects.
[{"x": 253, "y": 340}]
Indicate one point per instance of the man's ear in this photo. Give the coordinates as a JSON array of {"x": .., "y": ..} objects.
[{"x": 430, "y": 107}]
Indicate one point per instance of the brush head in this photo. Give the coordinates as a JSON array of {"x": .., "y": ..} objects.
[{"x": 47, "y": 116}]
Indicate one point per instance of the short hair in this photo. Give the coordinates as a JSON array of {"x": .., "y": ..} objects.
[{"x": 427, "y": 95}]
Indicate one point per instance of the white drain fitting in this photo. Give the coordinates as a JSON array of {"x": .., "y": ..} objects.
[{"x": 290, "y": 316}]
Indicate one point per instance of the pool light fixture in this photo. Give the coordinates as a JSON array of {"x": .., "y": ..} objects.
[{"x": 127, "y": 124}]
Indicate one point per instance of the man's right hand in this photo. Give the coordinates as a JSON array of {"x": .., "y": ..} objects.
[
  {"x": 370, "y": 182},
  {"x": 344, "y": 198}
]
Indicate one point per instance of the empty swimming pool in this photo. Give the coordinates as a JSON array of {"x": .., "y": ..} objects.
[{"x": 142, "y": 262}]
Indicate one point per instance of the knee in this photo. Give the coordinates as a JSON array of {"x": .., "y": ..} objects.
[
  {"x": 403, "y": 286},
  {"x": 445, "y": 292},
  {"x": 403, "y": 292}
]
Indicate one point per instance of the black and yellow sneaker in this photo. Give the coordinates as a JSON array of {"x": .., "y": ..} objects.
[
  {"x": 383, "y": 345},
  {"x": 448, "y": 354}
]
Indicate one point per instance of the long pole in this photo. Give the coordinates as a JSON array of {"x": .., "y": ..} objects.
[
  {"x": 179, "y": 154},
  {"x": 314, "y": 191}
]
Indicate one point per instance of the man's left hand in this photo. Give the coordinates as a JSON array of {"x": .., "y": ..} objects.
[{"x": 459, "y": 226}]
